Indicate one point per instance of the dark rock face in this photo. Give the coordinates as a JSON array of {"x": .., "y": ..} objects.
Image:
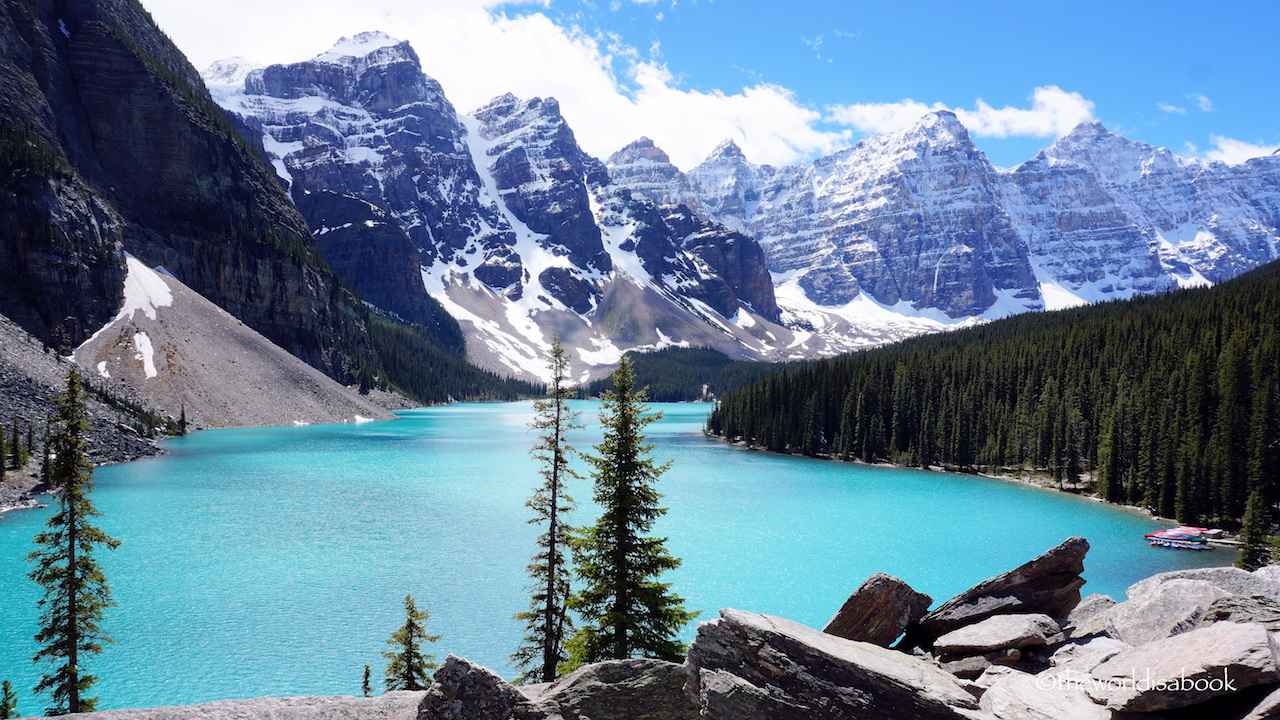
[
  {"x": 133, "y": 122},
  {"x": 878, "y": 611},
  {"x": 544, "y": 176},
  {"x": 365, "y": 245},
  {"x": 1049, "y": 584},
  {"x": 755, "y": 667}
]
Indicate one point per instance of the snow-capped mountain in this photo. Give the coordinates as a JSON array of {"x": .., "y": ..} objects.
[
  {"x": 503, "y": 219},
  {"x": 919, "y": 222},
  {"x": 510, "y": 225}
]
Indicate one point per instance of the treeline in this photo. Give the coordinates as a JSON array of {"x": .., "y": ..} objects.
[
  {"x": 409, "y": 362},
  {"x": 1170, "y": 402},
  {"x": 677, "y": 374}
]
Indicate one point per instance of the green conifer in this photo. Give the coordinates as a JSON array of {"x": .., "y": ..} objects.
[
  {"x": 1255, "y": 551},
  {"x": 541, "y": 651},
  {"x": 628, "y": 612},
  {"x": 8, "y": 701},
  {"x": 407, "y": 667},
  {"x": 365, "y": 683},
  {"x": 76, "y": 592}
]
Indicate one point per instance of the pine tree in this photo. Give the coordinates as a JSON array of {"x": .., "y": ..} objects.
[
  {"x": 541, "y": 651},
  {"x": 407, "y": 669},
  {"x": 365, "y": 684},
  {"x": 1255, "y": 551},
  {"x": 8, "y": 701},
  {"x": 76, "y": 592},
  {"x": 628, "y": 612}
]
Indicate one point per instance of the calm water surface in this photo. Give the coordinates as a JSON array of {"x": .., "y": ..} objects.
[{"x": 272, "y": 561}]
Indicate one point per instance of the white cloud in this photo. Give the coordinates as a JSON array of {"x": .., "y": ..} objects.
[
  {"x": 1053, "y": 113},
  {"x": 479, "y": 49},
  {"x": 1232, "y": 151},
  {"x": 1203, "y": 102},
  {"x": 1171, "y": 109}
]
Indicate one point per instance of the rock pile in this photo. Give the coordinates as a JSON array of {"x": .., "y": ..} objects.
[{"x": 1020, "y": 646}]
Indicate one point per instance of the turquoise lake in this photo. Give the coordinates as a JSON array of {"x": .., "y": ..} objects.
[{"x": 273, "y": 561}]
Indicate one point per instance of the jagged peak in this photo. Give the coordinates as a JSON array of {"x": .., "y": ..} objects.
[
  {"x": 727, "y": 150},
  {"x": 640, "y": 149},
  {"x": 358, "y": 46},
  {"x": 939, "y": 126}
]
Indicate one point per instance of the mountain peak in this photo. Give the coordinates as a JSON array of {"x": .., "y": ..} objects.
[
  {"x": 639, "y": 150},
  {"x": 228, "y": 71},
  {"x": 727, "y": 150},
  {"x": 358, "y": 46}
]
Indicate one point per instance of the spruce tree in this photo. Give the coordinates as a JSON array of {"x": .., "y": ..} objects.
[
  {"x": 541, "y": 651},
  {"x": 365, "y": 684},
  {"x": 407, "y": 669},
  {"x": 627, "y": 611},
  {"x": 1255, "y": 551},
  {"x": 8, "y": 701},
  {"x": 76, "y": 593}
]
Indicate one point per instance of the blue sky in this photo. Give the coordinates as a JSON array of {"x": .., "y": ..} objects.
[{"x": 791, "y": 80}]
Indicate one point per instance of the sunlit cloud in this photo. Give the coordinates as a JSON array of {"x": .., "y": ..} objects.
[
  {"x": 1171, "y": 109},
  {"x": 1232, "y": 151},
  {"x": 1053, "y": 113}
]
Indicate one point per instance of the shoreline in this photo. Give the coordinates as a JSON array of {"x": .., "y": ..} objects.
[{"x": 1030, "y": 479}]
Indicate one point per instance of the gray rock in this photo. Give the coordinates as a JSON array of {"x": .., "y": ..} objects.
[
  {"x": 748, "y": 667},
  {"x": 1080, "y": 622},
  {"x": 638, "y": 689},
  {"x": 999, "y": 632},
  {"x": 1085, "y": 655},
  {"x": 1269, "y": 573},
  {"x": 878, "y": 611},
  {"x": 464, "y": 690},
  {"x": 1164, "y": 610},
  {"x": 391, "y": 706},
  {"x": 1230, "y": 579},
  {"x": 968, "y": 668},
  {"x": 1049, "y": 584},
  {"x": 1240, "y": 609},
  {"x": 1187, "y": 669},
  {"x": 1019, "y": 696}
]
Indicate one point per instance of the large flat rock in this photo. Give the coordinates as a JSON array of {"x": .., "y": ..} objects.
[
  {"x": 638, "y": 689},
  {"x": 999, "y": 632},
  {"x": 878, "y": 611},
  {"x": 1229, "y": 579},
  {"x": 1187, "y": 669},
  {"x": 1049, "y": 584},
  {"x": 1020, "y": 696},
  {"x": 1163, "y": 610},
  {"x": 756, "y": 667}
]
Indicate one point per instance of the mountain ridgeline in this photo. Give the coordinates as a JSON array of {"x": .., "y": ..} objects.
[{"x": 1171, "y": 401}]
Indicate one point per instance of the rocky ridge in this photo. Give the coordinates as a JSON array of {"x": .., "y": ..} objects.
[{"x": 744, "y": 666}]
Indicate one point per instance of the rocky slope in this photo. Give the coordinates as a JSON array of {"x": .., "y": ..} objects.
[
  {"x": 511, "y": 226},
  {"x": 1019, "y": 646},
  {"x": 186, "y": 355}
]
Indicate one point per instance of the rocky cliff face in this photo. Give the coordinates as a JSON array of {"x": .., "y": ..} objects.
[
  {"x": 124, "y": 151},
  {"x": 516, "y": 230},
  {"x": 920, "y": 216}
]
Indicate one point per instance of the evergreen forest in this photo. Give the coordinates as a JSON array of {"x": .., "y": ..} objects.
[{"x": 1170, "y": 402}]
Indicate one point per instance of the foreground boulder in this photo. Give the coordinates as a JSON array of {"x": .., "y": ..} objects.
[
  {"x": 1167, "y": 609},
  {"x": 1020, "y": 696},
  {"x": 1187, "y": 669},
  {"x": 878, "y": 611},
  {"x": 1229, "y": 579},
  {"x": 1000, "y": 632},
  {"x": 756, "y": 667},
  {"x": 638, "y": 689},
  {"x": 464, "y": 690},
  {"x": 1049, "y": 584}
]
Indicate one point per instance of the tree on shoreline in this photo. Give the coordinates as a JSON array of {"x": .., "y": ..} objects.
[
  {"x": 541, "y": 650},
  {"x": 628, "y": 612},
  {"x": 1255, "y": 551},
  {"x": 76, "y": 592},
  {"x": 8, "y": 701},
  {"x": 366, "y": 686},
  {"x": 407, "y": 669}
]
